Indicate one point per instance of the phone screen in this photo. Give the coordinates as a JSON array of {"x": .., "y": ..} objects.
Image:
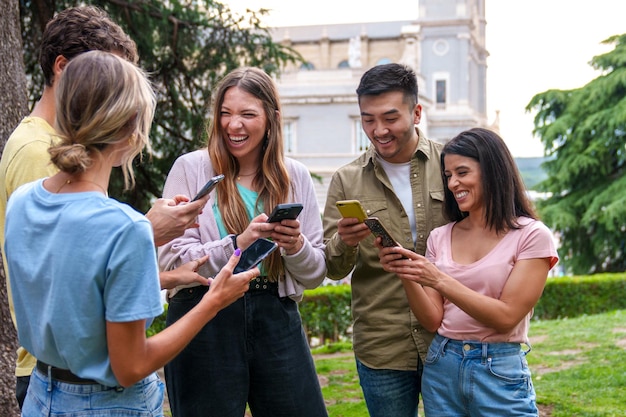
[
  {"x": 210, "y": 185},
  {"x": 254, "y": 254}
]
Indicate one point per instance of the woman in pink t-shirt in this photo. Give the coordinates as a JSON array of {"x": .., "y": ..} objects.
[{"x": 477, "y": 286}]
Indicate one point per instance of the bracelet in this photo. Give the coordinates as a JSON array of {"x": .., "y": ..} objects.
[{"x": 234, "y": 238}]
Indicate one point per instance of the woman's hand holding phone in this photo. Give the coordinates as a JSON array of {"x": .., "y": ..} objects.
[{"x": 228, "y": 287}]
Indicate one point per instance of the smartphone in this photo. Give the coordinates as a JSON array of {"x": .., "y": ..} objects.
[
  {"x": 351, "y": 208},
  {"x": 379, "y": 230},
  {"x": 289, "y": 211},
  {"x": 208, "y": 187},
  {"x": 254, "y": 254}
]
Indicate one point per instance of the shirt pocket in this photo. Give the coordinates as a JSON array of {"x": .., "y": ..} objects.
[{"x": 436, "y": 208}]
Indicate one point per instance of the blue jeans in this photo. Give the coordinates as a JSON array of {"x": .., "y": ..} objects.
[
  {"x": 466, "y": 378},
  {"x": 389, "y": 392},
  {"x": 46, "y": 397},
  {"x": 253, "y": 351}
]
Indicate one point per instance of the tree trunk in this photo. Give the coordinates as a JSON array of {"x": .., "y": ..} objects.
[{"x": 13, "y": 106}]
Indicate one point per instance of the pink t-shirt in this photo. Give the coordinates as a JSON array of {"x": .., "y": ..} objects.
[{"x": 488, "y": 276}]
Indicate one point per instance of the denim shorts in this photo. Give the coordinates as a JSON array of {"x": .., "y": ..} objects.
[
  {"x": 45, "y": 397},
  {"x": 469, "y": 378}
]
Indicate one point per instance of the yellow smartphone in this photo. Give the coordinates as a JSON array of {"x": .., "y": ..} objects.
[{"x": 351, "y": 208}]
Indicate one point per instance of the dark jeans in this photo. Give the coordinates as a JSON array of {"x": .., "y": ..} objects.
[
  {"x": 21, "y": 386},
  {"x": 254, "y": 351}
]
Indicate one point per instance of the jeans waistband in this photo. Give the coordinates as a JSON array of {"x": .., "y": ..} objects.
[
  {"x": 472, "y": 348},
  {"x": 62, "y": 375},
  {"x": 263, "y": 283}
]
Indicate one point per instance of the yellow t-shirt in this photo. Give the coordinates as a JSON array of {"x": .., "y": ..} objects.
[{"x": 25, "y": 159}]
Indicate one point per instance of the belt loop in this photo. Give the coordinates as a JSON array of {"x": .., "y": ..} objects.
[
  {"x": 442, "y": 346},
  {"x": 49, "y": 378},
  {"x": 528, "y": 346},
  {"x": 485, "y": 353}
]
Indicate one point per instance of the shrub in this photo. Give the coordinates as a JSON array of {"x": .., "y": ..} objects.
[
  {"x": 574, "y": 296},
  {"x": 326, "y": 313}
]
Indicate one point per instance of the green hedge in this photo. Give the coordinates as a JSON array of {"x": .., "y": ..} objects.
[
  {"x": 573, "y": 296},
  {"x": 326, "y": 314}
]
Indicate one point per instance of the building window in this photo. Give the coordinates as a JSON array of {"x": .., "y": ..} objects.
[
  {"x": 361, "y": 141},
  {"x": 441, "y": 93},
  {"x": 307, "y": 66},
  {"x": 289, "y": 136},
  {"x": 344, "y": 64},
  {"x": 383, "y": 61}
]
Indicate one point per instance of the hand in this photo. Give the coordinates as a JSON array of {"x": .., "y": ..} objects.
[
  {"x": 351, "y": 231},
  {"x": 258, "y": 228},
  {"x": 170, "y": 218},
  {"x": 409, "y": 265},
  {"x": 184, "y": 274},
  {"x": 226, "y": 287},
  {"x": 287, "y": 235}
]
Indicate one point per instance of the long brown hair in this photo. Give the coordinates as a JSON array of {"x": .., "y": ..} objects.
[
  {"x": 504, "y": 193},
  {"x": 272, "y": 180}
]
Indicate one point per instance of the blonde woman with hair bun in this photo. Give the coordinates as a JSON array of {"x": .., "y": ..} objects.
[{"x": 83, "y": 266}]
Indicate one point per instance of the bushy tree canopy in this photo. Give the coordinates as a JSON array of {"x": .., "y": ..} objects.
[
  {"x": 584, "y": 132},
  {"x": 186, "y": 46}
]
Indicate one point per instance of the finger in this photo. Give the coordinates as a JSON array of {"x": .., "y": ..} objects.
[
  {"x": 201, "y": 261},
  {"x": 180, "y": 198},
  {"x": 232, "y": 262}
]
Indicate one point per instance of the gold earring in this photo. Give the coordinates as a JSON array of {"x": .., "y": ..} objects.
[{"x": 131, "y": 139}]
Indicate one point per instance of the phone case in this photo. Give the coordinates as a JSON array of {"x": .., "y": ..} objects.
[
  {"x": 254, "y": 254},
  {"x": 379, "y": 230},
  {"x": 208, "y": 186},
  {"x": 351, "y": 208},
  {"x": 285, "y": 211}
]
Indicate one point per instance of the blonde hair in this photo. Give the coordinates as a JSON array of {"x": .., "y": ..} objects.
[
  {"x": 272, "y": 180},
  {"x": 101, "y": 99}
]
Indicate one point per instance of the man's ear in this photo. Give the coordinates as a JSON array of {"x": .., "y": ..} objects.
[{"x": 59, "y": 65}]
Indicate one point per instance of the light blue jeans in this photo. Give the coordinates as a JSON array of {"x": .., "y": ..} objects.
[
  {"x": 472, "y": 379},
  {"x": 45, "y": 397},
  {"x": 389, "y": 392}
]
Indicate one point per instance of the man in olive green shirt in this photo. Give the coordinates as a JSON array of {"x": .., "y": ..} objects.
[{"x": 398, "y": 179}]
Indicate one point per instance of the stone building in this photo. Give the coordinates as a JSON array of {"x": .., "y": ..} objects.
[{"x": 445, "y": 46}]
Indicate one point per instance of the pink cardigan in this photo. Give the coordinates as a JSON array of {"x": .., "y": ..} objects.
[{"x": 305, "y": 269}]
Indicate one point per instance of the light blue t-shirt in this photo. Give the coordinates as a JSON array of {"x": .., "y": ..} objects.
[{"x": 76, "y": 261}]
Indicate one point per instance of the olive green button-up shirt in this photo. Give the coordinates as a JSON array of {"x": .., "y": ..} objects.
[{"x": 386, "y": 334}]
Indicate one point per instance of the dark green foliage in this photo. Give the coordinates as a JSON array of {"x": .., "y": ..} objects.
[
  {"x": 584, "y": 133},
  {"x": 579, "y": 295},
  {"x": 158, "y": 324},
  {"x": 186, "y": 46},
  {"x": 326, "y": 313}
]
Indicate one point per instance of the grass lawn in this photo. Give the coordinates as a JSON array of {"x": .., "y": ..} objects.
[{"x": 578, "y": 365}]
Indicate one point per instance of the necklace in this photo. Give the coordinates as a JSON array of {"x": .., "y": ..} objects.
[
  {"x": 69, "y": 181},
  {"x": 246, "y": 175}
]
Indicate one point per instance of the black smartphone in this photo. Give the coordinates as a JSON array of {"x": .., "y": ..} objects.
[
  {"x": 210, "y": 185},
  {"x": 285, "y": 211},
  {"x": 379, "y": 230},
  {"x": 254, "y": 254}
]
